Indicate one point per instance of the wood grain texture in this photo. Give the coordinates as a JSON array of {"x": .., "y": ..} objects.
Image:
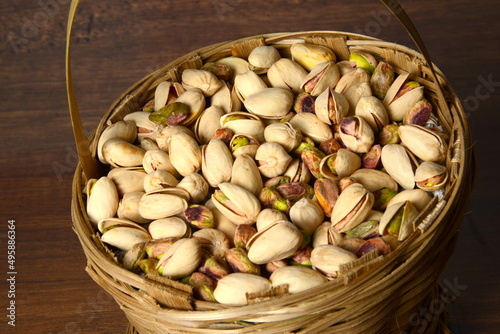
[{"x": 118, "y": 42}]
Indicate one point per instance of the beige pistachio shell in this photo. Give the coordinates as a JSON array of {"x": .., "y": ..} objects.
[
  {"x": 125, "y": 130},
  {"x": 233, "y": 288},
  {"x": 351, "y": 208},
  {"x": 418, "y": 197},
  {"x": 320, "y": 235},
  {"x": 310, "y": 55},
  {"x": 297, "y": 278},
  {"x": 148, "y": 144},
  {"x": 221, "y": 222},
  {"x": 276, "y": 241},
  {"x": 166, "y": 134},
  {"x": 243, "y": 206},
  {"x": 271, "y": 103},
  {"x": 272, "y": 159},
  {"x": 185, "y": 154},
  {"x": 216, "y": 162},
  {"x": 344, "y": 163},
  {"x": 208, "y": 123},
  {"x": 331, "y": 107},
  {"x": 119, "y": 153},
  {"x": 268, "y": 216},
  {"x": 159, "y": 179},
  {"x": 102, "y": 199},
  {"x": 397, "y": 109},
  {"x": 248, "y": 83},
  {"x": 423, "y": 142},
  {"x": 226, "y": 99},
  {"x": 345, "y": 66},
  {"x": 245, "y": 174},
  {"x": 398, "y": 165},
  {"x": 284, "y": 134},
  {"x": 158, "y": 160},
  {"x": 169, "y": 227},
  {"x": 356, "y": 134},
  {"x": 374, "y": 215},
  {"x": 328, "y": 259},
  {"x": 166, "y": 92},
  {"x": 194, "y": 98},
  {"x": 410, "y": 213},
  {"x": 214, "y": 241},
  {"x": 297, "y": 171},
  {"x": 181, "y": 259},
  {"x": 372, "y": 110},
  {"x": 122, "y": 233},
  {"x": 352, "y": 78},
  {"x": 311, "y": 126},
  {"x": 128, "y": 207},
  {"x": 286, "y": 74},
  {"x": 145, "y": 128},
  {"x": 237, "y": 64},
  {"x": 195, "y": 185},
  {"x": 205, "y": 81},
  {"x": 307, "y": 215},
  {"x": 161, "y": 204},
  {"x": 323, "y": 76},
  {"x": 373, "y": 179},
  {"x": 127, "y": 179},
  {"x": 250, "y": 149},
  {"x": 263, "y": 57},
  {"x": 430, "y": 176},
  {"x": 248, "y": 124}
]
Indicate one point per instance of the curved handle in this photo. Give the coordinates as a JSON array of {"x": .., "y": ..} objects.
[{"x": 90, "y": 165}]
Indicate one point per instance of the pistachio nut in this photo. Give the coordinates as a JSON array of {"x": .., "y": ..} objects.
[
  {"x": 398, "y": 220},
  {"x": 238, "y": 260},
  {"x": 148, "y": 144},
  {"x": 276, "y": 241},
  {"x": 102, "y": 199},
  {"x": 351, "y": 79},
  {"x": 245, "y": 174},
  {"x": 389, "y": 135},
  {"x": 326, "y": 192},
  {"x": 382, "y": 79},
  {"x": 356, "y": 134},
  {"x": 206, "y": 81},
  {"x": 364, "y": 60},
  {"x": 199, "y": 216},
  {"x": 423, "y": 142},
  {"x": 133, "y": 256},
  {"x": 418, "y": 197},
  {"x": 371, "y": 160},
  {"x": 237, "y": 64},
  {"x": 203, "y": 286},
  {"x": 145, "y": 128},
  {"x": 419, "y": 113},
  {"x": 167, "y": 92},
  {"x": 213, "y": 241},
  {"x": 157, "y": 159},
  {"x": 233, "y": 288},
  {"x": 125, "y": 130},
  {"x": 128, "y": 207},
  {"x": 262, "y": 57},
  {"x": 346, "y": 182},
  {"x": 244, "y": 123},
  {"x": 399, "y": 165},
  {"x": 185, "y": 154},
  {"x": 157, "y": 247},
  {"x": 307, "y": 215},
  {"x": 330, "y": 146},
  {"x": 328, "y": 259},
  {"x": 267, "y": 217},
  {"x": 171, "y": 114},
  {"x": 222, "y": 223},
  {"x": 272, "y": 159},
  {"x": 224, "y": 134},
  {"x": 297, "y": 171},
  {"x": 364, "y": 230},
  {"x": 298, "y": 279},
  {"x": 373, "y": 179},
  {"x": 169, "y": 227},
  {"x": 286, "y": 74},
  {"x": 159, "y": 179},
  {"x": 430, "y": 176},
  {"x": 241, "y": 144},
  {"x": 119, "y": 153},
  {"x": 128, "y": 179},
  {"x": 161, "y": 203},
  {"x": 373, "y": 244},
  {"x": 294, "y": 191},
  {"x": 372, "y": 110},
  {"x": 284, "y": 134},
  {"x": 122, "y": 233},
  {"x": 304, "y": 102},
  {"x": 216, "y": 162},
  {"x": 323, "y": 76},
  {"x": 195, "y": 100},
  {"x": 236, "y": 203},
  {"x": 331, "y": 107},
  {"x": 248, "y": 83},
  {"x": 166, "y": 134},
  {"x": 181, "y": 259},
  {"x": 270, "y": 103},
  {"x": 383, "y": 197},
  {"x": 195, "y": 185},
  {"x": 340, "y": 164},
  {"x": 352, "y": 207},
  {"x": 215, "y": 267},
  {"x": 208, "y": 123},
  {"x": 310, "y": 55},
  {"x": 311, "y": 126},
  {"x": 271, "y": 198},
  {"x": 226, "y": 99},
  {"x": 275, "y": 265},
  {"x": 223, "y": 72},
  {"x": 398, "y": 102},
  {"x": 351, "y": 244}
]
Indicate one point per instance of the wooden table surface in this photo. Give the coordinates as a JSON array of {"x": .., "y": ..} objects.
[{"x": 118, "y": 42}]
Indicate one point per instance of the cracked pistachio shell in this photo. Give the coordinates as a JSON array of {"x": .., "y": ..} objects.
[
  {"x": 181, "y": 259},
  {"x": 277, "y": 241},
  {"x": 102, "y": 199},
  {"x": 233, "y": 288},
  {"x": 310, "y": 55},
  {"x": 248, "y": 83},
  {"x": 237, "y": 204},
  {"x": 355, "y": 93},
  {"x": 159, "y": 179},
  {"x": 119, "y": 153},
  {"x": 284, "y": 134},
  {"x": 307, "y": 215},
  {"x": 397, "y": 108},
  {"x": 372, "y": 110},
  {"x": 322, "y": 76},
  {"x": 346, "y": 66},
  {"x": 328, "y": 259},
  {"x": 373, "y": 179},
  {"x": 214, "y": 241},
  {"x": 270, "y": 103},
  {"x": 297, "y": 171},
  {"x": 195, "y": 100},
  {"x": 205, "y": 81},
  {"x": 166, "y": 134},
  {"x": 352, "y": 78},
  {"x": 272, "y": 159},
  {"x": 339, "y": 164},
  {"x": 216, "y": 162},
  {"x": 351, "y": 208},
  {"x": 399, "y": 165},
  {"x": 207, "y": 124},
  {"x": 128, "y": 207},
  {"x": 226, "y": 99},
  {"x": 185, "y": 154},
  {"x": 244, "y": 123},
  {"x": 158, "y": 160},
  {"x": 331, "y": 107},
  {"x": 166, "y": 92},
  {"x": 243, "y": 144},
  {"x": 297, "y": 278},
  {"x": 430, "y": 176},
  {"x": 221, "y": 222},
  {"x": 267, "y": 217},
  {"x": 356, "y": 134},
  {"x": 398, "y": 220},
  {"x": 162, "y": 203},
  {"x": 262, "y": 57},
  {"x": 145, "y": 128},
  {"x": 127, "y": 179},
  {"x": 286, "y": 74},
  {"x": 382, "y": 79},
  {"x": 237, "y": 64},
  {"x": 417, "y": 197},
  {"x": 320, "y": 235},
  {"x": 195, "y": 185},
  {"x": 122, "y": 233},
  {"x": 311, "y": 126},
  {"x": 125, "y": 130},
  {"x": 423, "y": 142},
  {"x": 245, "y": 174},
  {"x": 168, "y": 228}
]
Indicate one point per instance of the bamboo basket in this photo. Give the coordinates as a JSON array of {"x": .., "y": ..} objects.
[{"x": 382, "y": 295}]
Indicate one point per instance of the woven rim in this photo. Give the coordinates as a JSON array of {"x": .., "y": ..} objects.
[{"x": 383, "y": 299}]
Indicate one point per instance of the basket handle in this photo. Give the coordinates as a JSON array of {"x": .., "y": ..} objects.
[{"x": 91, "y": 166}]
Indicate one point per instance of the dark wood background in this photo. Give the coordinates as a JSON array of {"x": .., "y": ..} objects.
[{"x": 116, "y": 42}]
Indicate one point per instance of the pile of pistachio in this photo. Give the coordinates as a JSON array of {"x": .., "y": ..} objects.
[{"x": 250, "y": 174}]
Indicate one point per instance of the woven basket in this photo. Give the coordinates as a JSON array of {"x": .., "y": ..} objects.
[{"x": 380, "y": 296}]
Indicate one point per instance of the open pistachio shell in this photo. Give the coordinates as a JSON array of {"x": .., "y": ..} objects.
[
  {"x": 352, "y": 78},
  {"x": 145, "y": 128},
  {"x": 398, "y": 220},
  {"x": 373, "y": 179},
  {"x": 418, "y": 197},
  {"x": 340, "y": 164},
  {"x": 181, "y": 259},
  {"x": 195, "y": 100},
  {"x": 322, "y": 76},
  {"x": 233, "y": 288},
  {"x": 297, "y": 278},
  {"x": 119, "y": 153},
  {"x": 127, "y": 179},
  {"x": 397, "y": 107},
  {"x": 286, "y": 74},
  {"x": 216, "y": 163},
  {"x": 399, "y": 165},
  {"x": 356, "y": 134},
  {"x": 226, "y": 99},
  {"x": 328, "y": 259},
  {"x": 207, "y": 124},
  {"x": 122, "y": 233},
  {"x": 311, "y": 126},
  {"x": 297, "y": 171},
  {"x": 423, "y": 142},
  {"x": 221, "y": 222},
  {"x": 237, "y": 64},
  {"x": 244, "y": 123},
  {"x": 245, "y": 174},
  {"x": 102, "y": 199},
  {"x": 430, "y": 176},
  {"x": 372, "y": 110},
  {"x": 351, "y": 208},
  {"x": 125, "y": 130},
  {"x": 331, "y": 107},
  {"x": 236, "y": 203},
  {"x": 271, "y": 103},
  {"x": 166, "y": 92}
]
